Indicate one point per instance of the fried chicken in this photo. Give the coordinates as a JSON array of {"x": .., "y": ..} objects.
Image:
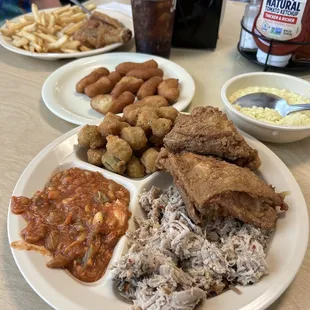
[
  {"x": 207, "y": 131},
  {"x": 212, "y": 188},
  {"x": 101, "y": 30}
]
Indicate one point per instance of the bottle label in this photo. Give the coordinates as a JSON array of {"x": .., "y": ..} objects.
[{"x": 281, "y": 19}]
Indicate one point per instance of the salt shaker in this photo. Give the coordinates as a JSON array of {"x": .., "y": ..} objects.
[{"x": 247, "y": 42}]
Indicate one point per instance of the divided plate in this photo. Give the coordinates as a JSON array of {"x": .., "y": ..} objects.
[
  {"x": 124, "y": 19},
  {"x": 61, "y": 291},
  {"x": 60, "y": 97}
]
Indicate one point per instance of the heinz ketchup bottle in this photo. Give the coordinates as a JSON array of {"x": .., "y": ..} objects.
[{"x": 281, "y": 20}]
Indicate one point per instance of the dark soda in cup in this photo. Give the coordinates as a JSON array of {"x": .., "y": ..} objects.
[{"x": 153, "y": 25}]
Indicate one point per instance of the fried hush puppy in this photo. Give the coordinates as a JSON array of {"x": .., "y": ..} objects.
[
  {"x": 91, "y": 78},
  {"x": 148, "y": 160},
  {"x": 90, "y": 137},
  {"x": 145, "y": 74},
  {"x": 135, "y": 169},
  {"x": 169, "y": 89},
  {"x": 125, "y": 67},
  {"x": 94, "y": 156},
  {"x": 103, "y": 85},
  {"x": 149, "y": 88},
  {"x": 118, "y": 148},
  {"x": 127, "y": 83},
  {"x": 112, "y": 125},
  {"x": 106, "y": 103}
]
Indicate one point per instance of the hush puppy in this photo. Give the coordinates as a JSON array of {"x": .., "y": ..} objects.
[
  {"x": 90, "y": 137},
  {"x": 135, "y": 137},
  {"x": 119, "y": 148}
]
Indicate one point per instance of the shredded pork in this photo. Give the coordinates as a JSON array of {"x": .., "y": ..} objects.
[{"x": 174, "y": 264}]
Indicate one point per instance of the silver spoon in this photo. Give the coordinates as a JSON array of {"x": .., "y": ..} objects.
[
  {"x": 271, "y": 101},
  {"x": 79, "y": 4}
]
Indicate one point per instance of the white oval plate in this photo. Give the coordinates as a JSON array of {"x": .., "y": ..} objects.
[
  {"x": 59, "y": 95},
  {"x": 61, "y": 291},
  {"x": 124, "y": 19}
]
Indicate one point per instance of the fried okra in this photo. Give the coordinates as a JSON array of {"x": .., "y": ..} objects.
[
  {"x": 119, "y": 148},
  {"x": 90, "y": 137},
  {"x": 160, "y": 127},
  {"x": 135, "y": 136},
  {"x": 113, "y": 163},
  {"x": 94, "y": 156},
  {"x": 112, "y": 125},
  {"x": 135, "y": 169},
  {"x": 148, "y": 160}
]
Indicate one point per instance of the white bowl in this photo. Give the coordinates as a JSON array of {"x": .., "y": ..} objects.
[{"x": 260, "y": 130}]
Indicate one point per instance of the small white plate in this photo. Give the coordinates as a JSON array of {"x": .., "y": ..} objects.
[
  {"x": 61, "y": 291},
  {"x": 124, "y": 19},
  {"x": 59, "y": 95}
]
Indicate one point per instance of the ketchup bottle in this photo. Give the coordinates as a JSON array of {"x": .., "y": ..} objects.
[{"x": 281, "y": 20}]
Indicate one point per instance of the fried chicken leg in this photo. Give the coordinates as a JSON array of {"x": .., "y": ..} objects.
[{"x": 212, "y": 188}]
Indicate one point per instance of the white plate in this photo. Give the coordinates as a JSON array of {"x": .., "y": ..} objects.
[
  {"x": 124, "y": 19},
  {"x": 61, "y": 291},
  {"x": 59, "y": 95}
]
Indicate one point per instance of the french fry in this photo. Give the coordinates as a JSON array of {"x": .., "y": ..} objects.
[
  {"x": 51, "y": 22},
  {"x": 66, "y": 14},
  {"x": 45, "y": 29},
  {"x": 58, "y": 43},
  {"x": 44, "y": 32},
  {"x": 35, "y": 12},
  {"x": 30, "y": 36},
  {"x": 90, "y": 6},
  {"x": 42, "y": 19},
  {"x": 36, "y": 46},
  {"x": 46, "y": 37},
  {"x": 57, "y": 28},
  {"x": 29, "y": 18},
  {"x": 73, "y": 19},
  {"x": 68, "y": 50},
  {"x": 30, "y": 28},
  {"x": 84, "y": 48},
  {"x": 63, "y": 30},
  {"x": 20, "y": 42},
  {"x": 62, "y": 9},
  {"x": 40, "y": 41},
  {"x": 13, "y": 27},
  {"x": 71, "y": 45},
  {"x": 5, "y": 32},
  {"x": 71, "y": 30}
]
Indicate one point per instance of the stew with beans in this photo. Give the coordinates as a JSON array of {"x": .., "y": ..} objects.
[{"x": 79, "y": 217}]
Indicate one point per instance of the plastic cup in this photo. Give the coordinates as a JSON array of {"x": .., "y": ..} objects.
[{"x": 153, "y": 25}]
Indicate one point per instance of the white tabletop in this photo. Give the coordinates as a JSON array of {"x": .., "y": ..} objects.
[{"x": 26, "y": 127}]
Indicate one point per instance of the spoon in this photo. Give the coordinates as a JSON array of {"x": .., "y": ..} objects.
[
  {"x": 79, "y": 4},
  {"x": 271, "y": 101}
]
